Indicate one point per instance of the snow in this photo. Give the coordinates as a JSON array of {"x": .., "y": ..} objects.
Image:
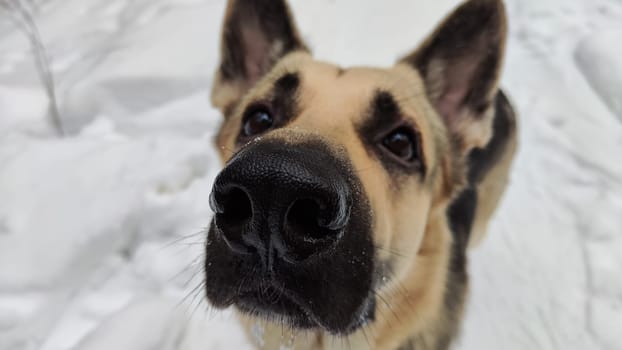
[
  {"x": 597, "y": 56},
  {"x": 101, "y": 232}
]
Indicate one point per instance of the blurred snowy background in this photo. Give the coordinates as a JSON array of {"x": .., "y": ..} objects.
[{"x": 100, "y": 243}]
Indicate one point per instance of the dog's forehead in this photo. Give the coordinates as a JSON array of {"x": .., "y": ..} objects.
[{"x": 332, "y": 93}]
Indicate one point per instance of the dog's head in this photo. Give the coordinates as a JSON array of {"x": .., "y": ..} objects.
[{"x": 333, "y": 176}]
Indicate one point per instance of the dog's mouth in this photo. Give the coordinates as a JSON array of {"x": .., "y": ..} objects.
[
  {"x": 281, "y": 306},
  {"x": 274, "y": 305},
  {"x": 291, "y": 239}
]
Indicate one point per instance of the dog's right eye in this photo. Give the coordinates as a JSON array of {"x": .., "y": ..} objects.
[
  {"x": 403, "y": 145},
  {"x": 256, "y": 122}
]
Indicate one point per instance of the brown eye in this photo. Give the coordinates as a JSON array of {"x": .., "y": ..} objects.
[
  {"x": 257, "y": 122},
  {"x": 402, "y": 143}
]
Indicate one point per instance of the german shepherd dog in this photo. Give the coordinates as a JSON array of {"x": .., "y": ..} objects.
[{"x": 350, "y": 196}]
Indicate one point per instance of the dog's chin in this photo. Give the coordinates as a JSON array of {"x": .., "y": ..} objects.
[
  {"x": 279, "y": 307},
  {"x": 276, "y": 307}
]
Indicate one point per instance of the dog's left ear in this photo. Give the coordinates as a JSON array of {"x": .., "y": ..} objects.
[
  {"x": 460, "y": 64},
  {"x": 255, "y": 35}
]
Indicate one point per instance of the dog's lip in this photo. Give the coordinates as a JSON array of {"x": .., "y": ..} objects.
[
  {"x": 254, "y": 301},
  {"x": 265, "y": 300}
]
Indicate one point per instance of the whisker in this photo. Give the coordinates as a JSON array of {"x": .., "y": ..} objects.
[
  {"x": 183, "y": 238},
  {"x": 193, "y": 277},
  {"x": 387, "y": 304},
  {"x": 400, "y": 288},
  {"x": 194, "y": 263},
  {"x": 405, "y": 293},
  {"x": 365, "y": 336},
  {"x": 395, "y": 253},
  {"x": 198, "y": 304},
  {"x": 191, "y": 293}
]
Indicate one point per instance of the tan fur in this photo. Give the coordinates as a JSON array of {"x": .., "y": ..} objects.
[
  {"x": 491, "y": 190},
  {"x": 410, "y": 226}
]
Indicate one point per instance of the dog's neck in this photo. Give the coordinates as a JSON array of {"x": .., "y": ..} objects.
[{"x": 417, "y": 301}]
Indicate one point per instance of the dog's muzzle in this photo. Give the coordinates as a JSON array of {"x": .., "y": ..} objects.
[{"x": 291, "y": 237}]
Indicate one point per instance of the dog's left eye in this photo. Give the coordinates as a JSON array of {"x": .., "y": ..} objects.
[
  {"x": 257, "y": 122},
  {"x": 403, "y": 144}
]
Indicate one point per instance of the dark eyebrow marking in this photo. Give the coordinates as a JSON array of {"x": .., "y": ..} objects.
[
  {"x": 385, "y": 115},
  {"x": 285, "y": 97},
  {"x": 281, "y": 102},
  {"x": 287, "y": 83},
  {"x": 385, "y": 104}
]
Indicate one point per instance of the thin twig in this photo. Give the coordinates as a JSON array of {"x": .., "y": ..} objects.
[{"x": 21, "y": 15}]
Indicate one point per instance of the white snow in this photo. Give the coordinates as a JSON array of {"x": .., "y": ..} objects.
[
  {"x": 598, "y": 56},
  {"x": 101, "y": 232}
]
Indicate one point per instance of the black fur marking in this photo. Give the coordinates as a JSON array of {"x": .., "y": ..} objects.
[
  {"x": 385, "y": 116},
  {"x": 285, "y": 97},
  {"x": 287, "y": 84},
  {"x": 461, "y": 216},
  {"x": 457, "y": 280}
]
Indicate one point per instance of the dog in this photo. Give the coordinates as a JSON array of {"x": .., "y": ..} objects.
[{"x": 349, "y": 197}]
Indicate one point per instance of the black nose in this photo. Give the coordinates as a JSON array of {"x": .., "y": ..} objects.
[{"x": 285, "y": 201}]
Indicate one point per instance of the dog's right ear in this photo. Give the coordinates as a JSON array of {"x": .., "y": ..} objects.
[
  {"x": 460, "y": 64},
  {"x": 255, "y": 35}
]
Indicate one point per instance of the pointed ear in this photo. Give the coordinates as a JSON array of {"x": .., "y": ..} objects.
[
  {"x": 460, "y": 64},
  {"x": 255, "y": 35}
]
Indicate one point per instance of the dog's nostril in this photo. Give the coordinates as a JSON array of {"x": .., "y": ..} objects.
[
  {"x": 235, "y": 208},
  {"x": 309, "y": 229},
  {"x": 233, "y": 213},
  {"x": 303, "y": 218},
  {"x": 312, "y": 220}
]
